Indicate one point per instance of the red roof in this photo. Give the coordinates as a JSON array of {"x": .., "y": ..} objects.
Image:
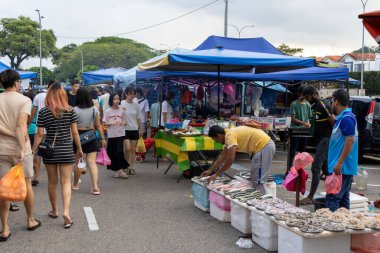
[
  {"x": 367, "y": 57},
  {"x": 335, "y": 58},
  {"x": 319, "y": 58}
]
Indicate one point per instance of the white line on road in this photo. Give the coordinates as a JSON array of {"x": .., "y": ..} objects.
[{"x": 92, "y": 224}]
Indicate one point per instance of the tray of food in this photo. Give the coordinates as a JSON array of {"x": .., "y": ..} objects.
[
  {"x": 273, "y": 211},
  {"x": 282, "y": 216},
  {"x": 323, "y": 212},
  {"x": 356, "y": 224},
  {"x": 295, "y": 222},
  {"x": 373, "y": 223},
  {"x": 303, "y": 216},
  {"x": 311, "y": 229},
  {"x": 334, "y": 227}
]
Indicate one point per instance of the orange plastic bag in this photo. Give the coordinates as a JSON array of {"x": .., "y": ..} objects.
[{"x": 13, "y": 185}]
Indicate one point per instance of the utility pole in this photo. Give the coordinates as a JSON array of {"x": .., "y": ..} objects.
[
  {"x": 39, "y": 18},
  {"x": 225, "y": 18},
  {"x": 364, "y": 3}
]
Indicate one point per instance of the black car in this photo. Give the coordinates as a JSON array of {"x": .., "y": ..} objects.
[{"x": 367, "y": 112}]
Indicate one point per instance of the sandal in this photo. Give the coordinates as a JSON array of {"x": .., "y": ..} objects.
[
  {"x": 306, "y": 201},
  {"x": 68, "y": 225},
  {"x": 95, "y": 192},
  {"x": 13, "y": 207},
  {"x": 5, "y": 238},
  {"x": 75, "y": 188},
  {"x": 35, "y": 226},
  {"x": 132, "y": 172},
  {"x": 35, "y": 182},
  {"x": 120, "y": 174},
  {"x": 51, "y": 215}
]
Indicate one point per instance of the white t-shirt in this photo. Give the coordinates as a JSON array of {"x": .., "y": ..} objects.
[
  {"x": 166, "y": 107},
  {"x": 105, "y": 99},
  {"x": 144, "y": 107},
  {"x": 132, "y": 114},
  {"x": 39, "y": 102}
]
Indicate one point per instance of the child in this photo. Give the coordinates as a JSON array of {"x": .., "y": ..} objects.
[{"x": 114, "y": 119}]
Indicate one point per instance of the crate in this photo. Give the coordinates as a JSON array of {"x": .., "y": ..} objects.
[
  {"x": 290, "y": 242},
  {"x": 264, "y": 232},
  {"x": 240, "y": 218}
]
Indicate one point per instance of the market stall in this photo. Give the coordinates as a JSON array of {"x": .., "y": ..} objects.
[{"x": 101, "y": 75}]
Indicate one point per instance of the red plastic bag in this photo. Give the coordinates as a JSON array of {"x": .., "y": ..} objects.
[
  {"x": 333, "y": 184},
  {"x": 301, "y": 160},
  {"x": 13, "y": 185},
  {"x": 103, "y": 158}
]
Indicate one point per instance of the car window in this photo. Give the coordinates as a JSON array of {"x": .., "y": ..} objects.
[
  {"x": 377, "y": 109},
  {"x": 360, "y": 109}
]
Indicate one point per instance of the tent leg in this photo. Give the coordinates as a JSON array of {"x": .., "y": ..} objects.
[{"x": 218, "y": 91}]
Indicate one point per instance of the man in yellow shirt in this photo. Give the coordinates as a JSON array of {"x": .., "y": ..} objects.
[{"x": 244, "y": 139}]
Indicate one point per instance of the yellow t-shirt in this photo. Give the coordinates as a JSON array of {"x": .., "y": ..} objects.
[
  {"x": 247, "y": 139},
  {"x": 12, "y": 104}
]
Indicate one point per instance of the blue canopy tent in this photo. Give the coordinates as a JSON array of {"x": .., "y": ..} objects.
[
  {"x": 23, "y": 74},
  {"x": 126, "y": 78},
  {"x": 101, "y": 75},
  {"x": 259, "y": 45}
]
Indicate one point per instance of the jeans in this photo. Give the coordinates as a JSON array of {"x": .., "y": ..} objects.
[
  {"x": 342, "y": 199},
  {"x": 296, "y": 144}
]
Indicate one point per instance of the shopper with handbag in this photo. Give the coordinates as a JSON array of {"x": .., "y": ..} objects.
[
  {"x": 88, "y": 121},
  {"x": 60, "y": 122},
  {"x": 15, "y": 145}
]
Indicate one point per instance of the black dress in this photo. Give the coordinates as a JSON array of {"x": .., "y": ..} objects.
[{"x": 63, "y": 147}]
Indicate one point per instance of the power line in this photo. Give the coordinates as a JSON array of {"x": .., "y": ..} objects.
[{"x": 147, "y": 27}]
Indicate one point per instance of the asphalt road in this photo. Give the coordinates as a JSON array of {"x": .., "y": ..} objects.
[{"x": 149, "y": 212}]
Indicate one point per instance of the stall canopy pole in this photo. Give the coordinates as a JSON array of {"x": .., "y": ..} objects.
[
  {"x": 242, "y": 109},
  {"x": 218, "y": 91}
]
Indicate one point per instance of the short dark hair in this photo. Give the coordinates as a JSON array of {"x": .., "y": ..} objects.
[
  {"x": 74, "y": 82},
  {"x": 138, "y": 91},
  {"x": 84, "y": 99},
  {"x": 215, "y": 131},
  {"x": 309, "y": 91},
  {"x": 300, "y": 89},
  {"x": 342, "y": 97},
  {"x": 94, "y": 93},
  {"x": 169, "y": 95},
  {"x": 8, "y": 77},
  {"x": 110, "y": 101},
  {"x": 51, "y": 82},
  {"x": 30, "y": 94}
]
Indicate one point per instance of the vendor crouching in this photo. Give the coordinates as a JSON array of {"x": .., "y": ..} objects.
[{"x": 244, "y": 139}]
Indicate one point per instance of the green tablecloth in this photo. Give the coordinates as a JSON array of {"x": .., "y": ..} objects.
[{"x": 178, "y": 147}]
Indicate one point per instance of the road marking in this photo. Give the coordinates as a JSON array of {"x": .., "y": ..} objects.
[{"x": 92, "y": 224}]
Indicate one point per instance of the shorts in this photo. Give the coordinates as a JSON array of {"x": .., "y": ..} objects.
[
  {"x": 9, "y": 161},
  {"x": 133, "y": 135}
]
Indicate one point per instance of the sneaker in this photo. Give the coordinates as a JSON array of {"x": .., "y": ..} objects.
[{"x": 117, "y": 174}]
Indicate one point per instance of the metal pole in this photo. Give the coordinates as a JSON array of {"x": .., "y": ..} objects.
[
  {"x": 218, "y": 91},
  {"x": 225, "y": 18},
  {"x": 39, "y": 18},
  {"x": 364, "y": 3},
  {"x": 241, "y": 29}
]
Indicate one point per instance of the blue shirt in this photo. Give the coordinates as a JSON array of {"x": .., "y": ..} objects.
[{"x": 345, "y": 126}]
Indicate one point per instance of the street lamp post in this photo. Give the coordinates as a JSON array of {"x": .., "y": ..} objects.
[
  {"x": 81, "y": 56},
  {"x": 241, "y": 29},
  {"x": 39, "y": 19},
  {"x": 364, "y": 3},
  {"x": 169, "y": 47}
]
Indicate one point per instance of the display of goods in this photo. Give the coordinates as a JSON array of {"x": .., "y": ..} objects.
[
  {"x": 282, "y": 216},
  {"x": 303, "y": 216},
  {"x": 323, "y": 212},
  {"x": 356, "y": 224},
  {"x": 295, "y": 222},
  {"x": 334, "y": 227},
  {"x": 311, "y": 229},
  {"x": 373, "y": 223}
]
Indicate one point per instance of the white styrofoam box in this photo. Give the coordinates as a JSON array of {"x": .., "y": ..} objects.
[
  {"x": 354, "y": 198},
  {"x": 219, "y": 214},
  {"x": 199, "y": 205},
  {"x": 290, "y": 242},
  {"x": 240, "y": 218},
  {"x": 264, "y": 232}
]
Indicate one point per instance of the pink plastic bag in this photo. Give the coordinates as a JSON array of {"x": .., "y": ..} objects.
[
  {"x": 102, "y": 158},
  {"x": 220, "y": 201},
  {"x": 301, "y": 160},
  {"x": 333, "y": 184}
]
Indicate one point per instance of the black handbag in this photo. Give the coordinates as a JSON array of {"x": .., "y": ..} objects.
[
  {"x": 45, "y": 149},
  {"x": 88, "y": 136}
]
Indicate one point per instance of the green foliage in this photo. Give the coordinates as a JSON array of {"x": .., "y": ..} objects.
[
  {"x": 47, "y": 74},
  {"x": 371, "y": 81},
  {"x": 105, "y": 52},
  {"x": 86, "y": 68},
  {"x": 288, "y": 50},
  {"x": 19, "y": 40},
  {"x": 373, "y": 49}
]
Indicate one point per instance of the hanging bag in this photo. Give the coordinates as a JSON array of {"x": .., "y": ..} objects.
[
  {"x": 45, "y": 149},
  {"x": 140, "y": 147},
  {"x": 13, "y": 185},
  {"x": 333, "y": 184},
  {"x": 102, "y": 158},
  {"x": 90, "y": 135}
]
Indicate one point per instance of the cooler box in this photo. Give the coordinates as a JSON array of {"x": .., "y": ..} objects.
[
  {"x": 173, "y": 125},
  {"x": 365, "y": 243},
  {"x": 200, "y": 194},
  {"x": 289, "y": 242},
  {"x": 240, "y": 218},
  {"x": 264, "y": 232},
  {"x": 220, "y": 207}
]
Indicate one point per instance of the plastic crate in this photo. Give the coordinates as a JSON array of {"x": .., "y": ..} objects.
[{"x": 240, "y": 218}]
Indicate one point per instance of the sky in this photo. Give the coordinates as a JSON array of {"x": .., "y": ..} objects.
[{"x": 323, "y": 27}]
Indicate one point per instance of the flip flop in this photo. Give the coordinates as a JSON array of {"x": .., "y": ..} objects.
[
  {"x": 51, "y": 215},
  {"x": 75, "y": 188},
  {"x": 35, "y": 182},
  {"x": 13, "y": 207},
  {"x": 4, "y": 239},
  {"x": 68, "y": 225},
  {"x": 35, "y": 226},
  {"x": 95, "y": 192},
  {"x": 132, "y": 172}
]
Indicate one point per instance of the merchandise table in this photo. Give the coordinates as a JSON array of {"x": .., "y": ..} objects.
[{"x": 178, "y": 148}]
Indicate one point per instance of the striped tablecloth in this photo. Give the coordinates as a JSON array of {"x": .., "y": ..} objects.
[{"x": 178, "y": 147}]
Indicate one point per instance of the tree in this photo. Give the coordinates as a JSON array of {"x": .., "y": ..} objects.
[
  {"x": 86, "y": 68},
  {"x": 47, "y": 74},
  {"x": 288, "y": 50},
  {"x": 105, "y": 52},
  {"x": 19, "y": 40},
  {"x": 373, "y": 49}
]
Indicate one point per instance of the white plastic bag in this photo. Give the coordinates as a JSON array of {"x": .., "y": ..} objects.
[
  {"x": 244, "y": 243},
  {"x": 82, "y": 164}
]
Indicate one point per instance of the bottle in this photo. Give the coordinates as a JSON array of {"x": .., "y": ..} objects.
[
  {"x": 362, "y": 179},
  {"x": 371, "y": 207}
]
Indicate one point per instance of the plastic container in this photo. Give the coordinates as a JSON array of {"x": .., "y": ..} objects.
[
  {"x": 220, "y": 207},
  {"x": 371, "y": 207},
  {"x": 362, "y": 179},
  {"x": 264, "y": 232},
  {"x": 290, "y": 242},
  {"x": 201, "y": 195},
  {"x": 173, "y": 125},
  {"x": 270, "y": 188},
  {"x": 240, "y": 218}
]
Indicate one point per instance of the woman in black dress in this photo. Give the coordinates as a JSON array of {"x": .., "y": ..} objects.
[{"x": 60, "y": 122}]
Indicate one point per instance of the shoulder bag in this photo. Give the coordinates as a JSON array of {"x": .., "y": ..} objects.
[
  {"x": 45, "y": 149},
  {"x": 90, "y": 135}
]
